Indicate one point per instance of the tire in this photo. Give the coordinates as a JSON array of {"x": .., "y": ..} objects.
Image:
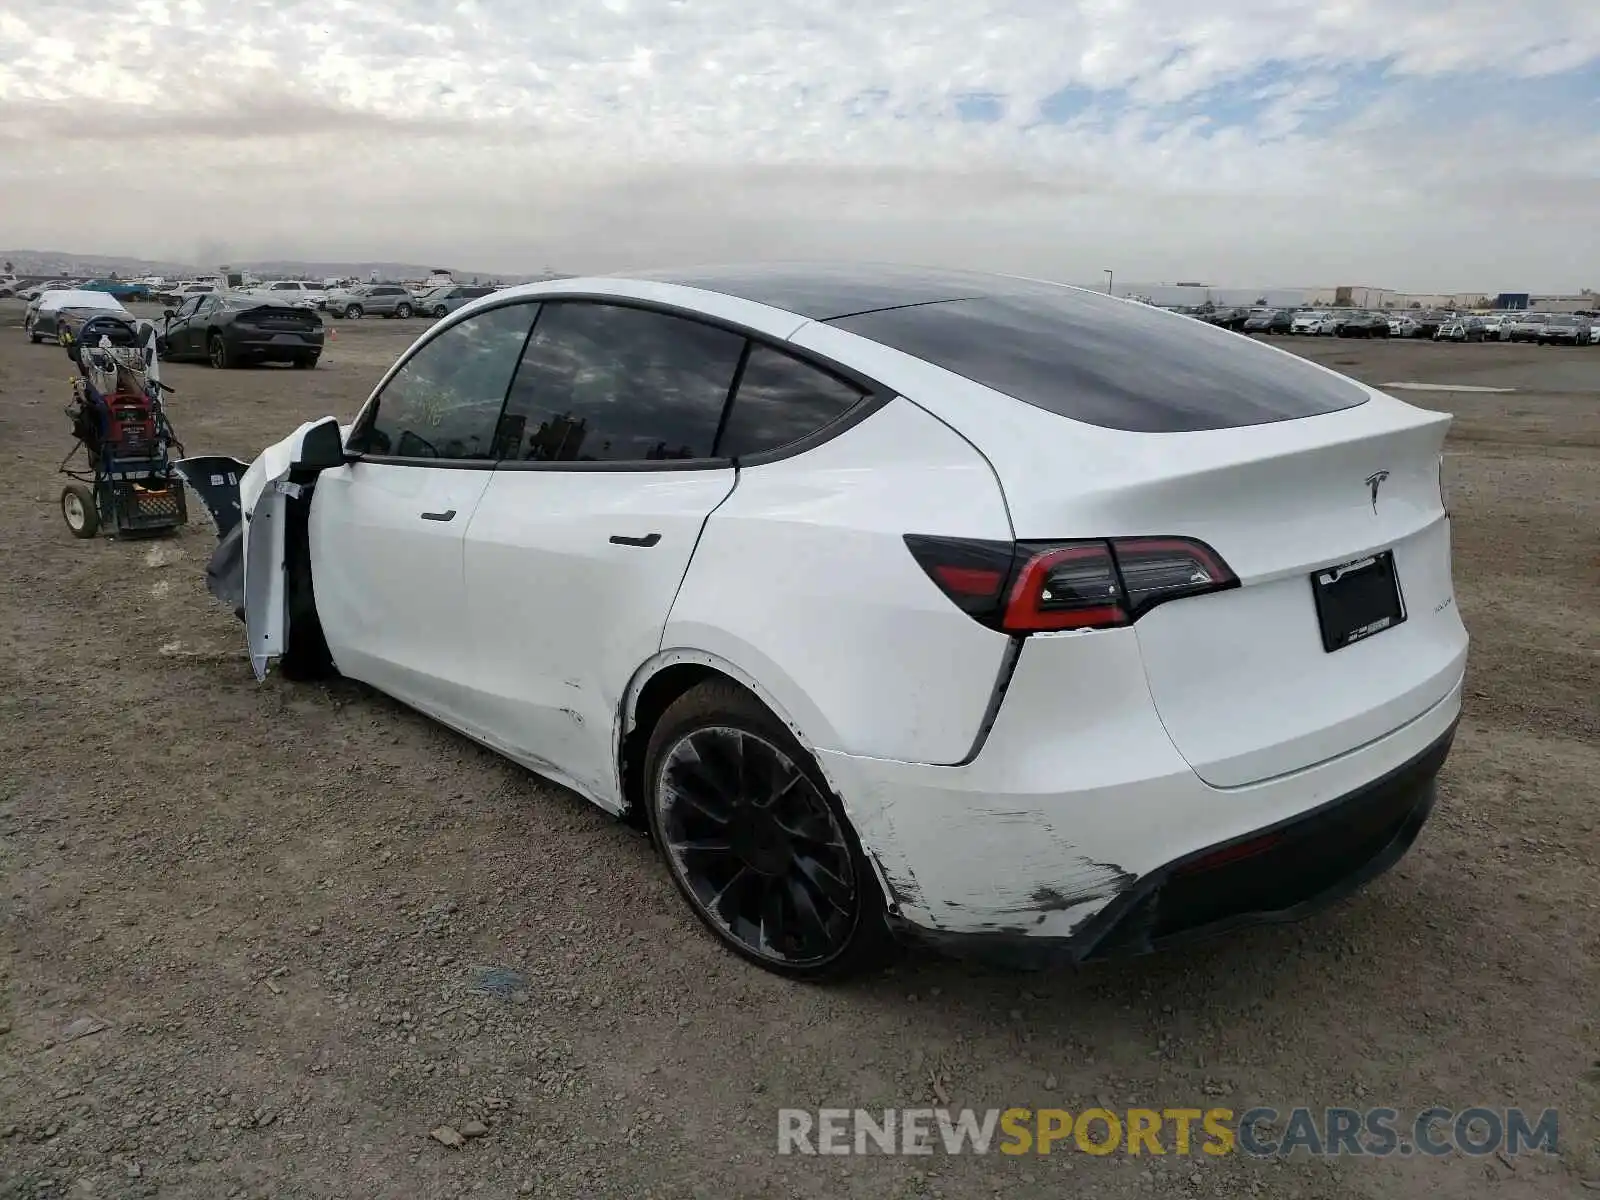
[
  {"x": 759, "y": 864},
  {"x": 305, "y": 362},
  {"x": 354, "y": 312},
  {"x": 440, "y": 310},
  {"x": 79, "y": 509},
  {"x": 217, "y": 353},
  {"x": 403, "y": 311}
]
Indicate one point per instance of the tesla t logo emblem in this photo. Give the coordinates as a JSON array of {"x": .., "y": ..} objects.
[{"x": 1374, "y": 482}]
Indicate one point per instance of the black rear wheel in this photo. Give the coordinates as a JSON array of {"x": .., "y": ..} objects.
[
  {"x": 756, "y": 841},
  {"x": 217, "y": 352}
]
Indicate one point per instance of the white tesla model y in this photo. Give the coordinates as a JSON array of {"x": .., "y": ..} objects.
[{"x": 986, "y": 612}]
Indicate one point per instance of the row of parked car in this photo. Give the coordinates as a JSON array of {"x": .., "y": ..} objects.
[
  {"x": 1545, "y": 329},
  {"x": 374, "y": 299}
]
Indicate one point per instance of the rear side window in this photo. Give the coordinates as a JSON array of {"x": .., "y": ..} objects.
[
  {"x": 444, "y": 401},
  {"x": 608, "y": 383},
  {"x": 781, "y": 400},
  {"x": 1109, "y": 362}
]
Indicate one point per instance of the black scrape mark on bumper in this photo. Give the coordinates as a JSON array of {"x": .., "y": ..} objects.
[
  {"x": 1092, "y": 881},
  {"x": 902, "y": 889}
]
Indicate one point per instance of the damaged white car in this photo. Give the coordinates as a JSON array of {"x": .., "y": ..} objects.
[{"x": 984, "y": 612}]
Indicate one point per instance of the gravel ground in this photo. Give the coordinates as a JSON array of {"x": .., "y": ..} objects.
[{"x": 260, "y": 940}]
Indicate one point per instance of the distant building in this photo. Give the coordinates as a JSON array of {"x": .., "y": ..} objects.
[{"x": 1580, "y": 302}]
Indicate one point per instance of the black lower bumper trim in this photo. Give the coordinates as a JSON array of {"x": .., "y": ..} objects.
[{"x": 1273, "y": 874}]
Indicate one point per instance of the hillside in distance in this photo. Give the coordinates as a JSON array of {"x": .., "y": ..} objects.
[{"x": 61, "y": 262}]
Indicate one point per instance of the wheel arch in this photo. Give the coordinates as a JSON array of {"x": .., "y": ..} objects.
[{"x": 670, "y": 673}]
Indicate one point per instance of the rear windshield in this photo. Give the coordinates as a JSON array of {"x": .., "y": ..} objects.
[{"x": 1107, "y": 362}]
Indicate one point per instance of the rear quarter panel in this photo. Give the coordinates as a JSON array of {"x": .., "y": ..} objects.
[{"x": 802, "y": 581}]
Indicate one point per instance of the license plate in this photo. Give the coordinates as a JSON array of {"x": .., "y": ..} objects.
[{"x": 1357, "y": 599}]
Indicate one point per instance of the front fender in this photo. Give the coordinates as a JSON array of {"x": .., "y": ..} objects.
[{"x": 248, "y": 570}]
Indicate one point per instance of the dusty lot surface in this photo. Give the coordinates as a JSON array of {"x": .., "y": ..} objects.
[{"x": 274, "y": 898}]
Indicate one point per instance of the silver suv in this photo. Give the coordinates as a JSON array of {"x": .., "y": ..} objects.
[
  {"x": 372, "y": 299},
  {"x": 441, "y": 301}
]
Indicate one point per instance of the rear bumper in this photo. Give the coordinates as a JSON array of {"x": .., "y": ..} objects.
[
  {"x": 1276, "y": 874},
  {"x": 1078, "y": 813},
  {"x": 277, "y": 344}
]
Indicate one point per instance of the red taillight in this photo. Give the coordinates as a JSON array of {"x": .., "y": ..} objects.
[
  {"x": 1066, "y": 587},
  {"x": 1237, "y": 852},
  {"x": 1040, "y": 587}
]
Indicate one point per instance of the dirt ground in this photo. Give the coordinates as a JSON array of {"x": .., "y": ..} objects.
[{"x": 277, "y": 899}]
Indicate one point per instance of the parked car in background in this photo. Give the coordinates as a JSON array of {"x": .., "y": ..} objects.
[
  {"x": 39, "y": 289},
  {"x": 1363, "y": 325},
  {"x": 1564, "y": 329},
  {"x": 1427, "y": 322},
  {"x": 1310, "y": 321},
  {"x": 227, "y": 329},
  {"x": 1495, "y": 326},
  {"x": 894, "y": 601},
  {"x": 293, "y": 291},
  {"x": 372, "y": 299},
  {"x": 1229, "y": 318},
  {"x": 183, "y": 289},
  {"x": 1273, "y": 321},
  {"x": 1527, "y": 327},
  {"x": 122, "y": 289},
  {"x": 1460, "y": 329},
  {"x": 40, "y": 319},
  {"x": 441, "y": 301},
  {"x": 1402, "y": 326}
]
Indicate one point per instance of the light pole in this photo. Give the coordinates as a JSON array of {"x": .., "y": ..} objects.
[{"x": 1110, "y": 278}]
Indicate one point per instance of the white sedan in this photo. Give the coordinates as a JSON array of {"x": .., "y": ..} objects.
[{"x": 997, "y": 615}]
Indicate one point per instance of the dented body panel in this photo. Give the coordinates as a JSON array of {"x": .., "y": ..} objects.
[
  {"x": 250, "y": 508},
  {"x": 1077, "y": 797},
  {"x": 1007, "y": 783}
]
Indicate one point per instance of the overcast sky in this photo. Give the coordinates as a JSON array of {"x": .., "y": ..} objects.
[{"x": 1414, "y": 144}]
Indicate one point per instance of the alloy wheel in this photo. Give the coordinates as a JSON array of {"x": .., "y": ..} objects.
[{"x": 756, "y": 846}]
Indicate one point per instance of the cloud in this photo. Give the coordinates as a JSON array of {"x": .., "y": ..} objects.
[{"x": 1258, "y": 141}]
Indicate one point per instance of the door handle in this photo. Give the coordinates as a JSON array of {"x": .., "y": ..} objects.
[
  {"x": 649, "y": 539},
  {"x": 448, "y": 514}
]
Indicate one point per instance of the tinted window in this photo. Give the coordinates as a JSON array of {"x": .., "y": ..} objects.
[
  {"x": 605, "y": 383},
  {"x": 444, "y": 401},
  {"x": 1107, "y": 362},
  {"x": 781, "y": 400}
]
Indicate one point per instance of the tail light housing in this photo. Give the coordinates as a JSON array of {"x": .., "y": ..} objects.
[{"x": 1044, "y": 587}]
